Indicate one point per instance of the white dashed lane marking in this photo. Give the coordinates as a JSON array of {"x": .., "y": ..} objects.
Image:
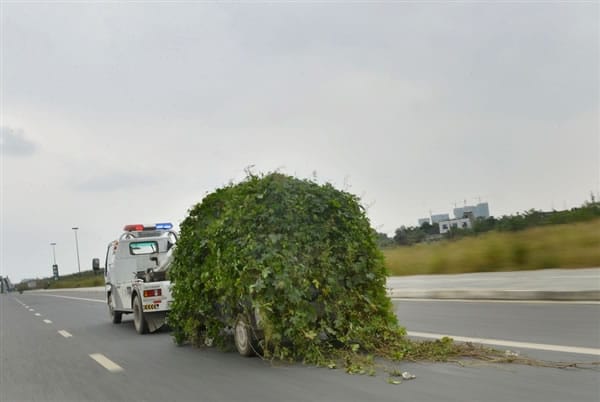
[
  {"x": 65, "y": 333},
  {"x": 48, "y": 321},
  {"x": 37, "y": 314},
  {"x": 106, "y": 363}
]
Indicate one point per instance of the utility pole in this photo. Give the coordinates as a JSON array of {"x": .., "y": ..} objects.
[
  {"x": 77, "y": 249},
  {"x": 54, "y": 251},
  {"x": 55, "y": 265}
]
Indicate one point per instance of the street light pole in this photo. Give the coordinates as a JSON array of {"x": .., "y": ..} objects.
[
  {"x": 55, "y": 266},
  {"x": 54, "y": 251},
  {"x": 77, "y": 248}
]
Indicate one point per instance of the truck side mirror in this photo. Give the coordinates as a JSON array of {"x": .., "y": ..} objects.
[{"x": 96, "y": 264}]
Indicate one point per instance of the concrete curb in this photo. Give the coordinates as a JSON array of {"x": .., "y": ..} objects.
[{"x": 494, "y": 294}]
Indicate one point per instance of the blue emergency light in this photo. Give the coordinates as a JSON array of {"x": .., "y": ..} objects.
[{"x": 164, "y": 226}]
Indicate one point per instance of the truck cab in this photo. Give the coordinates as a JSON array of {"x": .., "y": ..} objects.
[{"x": 135, "y": 275}]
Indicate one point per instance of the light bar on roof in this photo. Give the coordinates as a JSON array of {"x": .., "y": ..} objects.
[{"x": 139, "y": 227}]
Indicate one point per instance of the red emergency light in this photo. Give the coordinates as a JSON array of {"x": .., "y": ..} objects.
[{"x": 133, "y": 228}]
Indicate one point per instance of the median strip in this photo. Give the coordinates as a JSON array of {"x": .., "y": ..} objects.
[
  {"x": 106, "y": 362},
  {"x": 512, "y": 344}
]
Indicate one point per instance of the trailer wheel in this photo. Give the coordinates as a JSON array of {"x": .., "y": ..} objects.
[
  {"x": 115, "y": 316},
  {"x": 141, "y": 326},
  {"x": 243, "y": 337}
]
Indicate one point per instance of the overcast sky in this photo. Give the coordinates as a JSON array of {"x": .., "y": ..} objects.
[{"x": 116, "y": 113}]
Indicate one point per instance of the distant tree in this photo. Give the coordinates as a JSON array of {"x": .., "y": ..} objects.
[
  {"x": 383, "y": 240},
  {"x": 406, "y": 236},
  {"x": 430, "y": 229},
  {"x": 401, "y": 236},
  {"x": 482, "y": 225}
]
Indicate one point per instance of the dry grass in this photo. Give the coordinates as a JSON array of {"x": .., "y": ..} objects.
[{"x": 558, "y": 246}]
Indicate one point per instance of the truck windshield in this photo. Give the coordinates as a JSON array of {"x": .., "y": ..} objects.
[{"x": 143, "y": 247}]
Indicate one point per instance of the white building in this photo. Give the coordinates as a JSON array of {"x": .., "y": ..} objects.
[
  {"x": 481, "y": 210},
  {"x": 462, "y": 223},
  {"x": 439, "y": 218}
]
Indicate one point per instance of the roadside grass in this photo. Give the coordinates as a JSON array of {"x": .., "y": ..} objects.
[
  {"x": 86, "y": 279},
  {"x": 574, "y": 245},
  {"x": 83, "y": 280}
]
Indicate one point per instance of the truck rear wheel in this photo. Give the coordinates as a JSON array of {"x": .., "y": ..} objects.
[
  {"x": 141, "y": 326},
  {"x": 244, "y": 337},
  {"x": 115, "y": 316}
]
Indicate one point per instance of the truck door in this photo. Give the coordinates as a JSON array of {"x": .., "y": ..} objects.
[
  {"x": 123, "y": 274},
  {"x": 111, "y": 275},
  {"x": 109, "y": 262}
]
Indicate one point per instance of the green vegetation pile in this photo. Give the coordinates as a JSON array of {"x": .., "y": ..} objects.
[{"x": 301, "y": 255}]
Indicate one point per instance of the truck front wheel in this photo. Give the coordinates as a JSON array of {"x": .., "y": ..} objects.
[
  {"x": 115, "y": 316},
  {"x": 141, "y": 326}
]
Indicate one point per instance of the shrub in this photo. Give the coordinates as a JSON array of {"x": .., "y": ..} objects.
[
  {"x": 520, "y": 254},
  {"x": 301, "y": 255}
]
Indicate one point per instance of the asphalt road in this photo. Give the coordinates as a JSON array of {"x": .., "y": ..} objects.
[
  {"x": 46, "y": 354},
  {"x": 558, "y": 323}
]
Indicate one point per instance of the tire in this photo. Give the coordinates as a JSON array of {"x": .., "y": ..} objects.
[
  {"x": 244, "y": 337},
  {"x": 141, "y": 326},
  {"x": 115, "y": 316}
]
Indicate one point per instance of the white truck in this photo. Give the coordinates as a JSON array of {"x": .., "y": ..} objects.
[{"x": 135, "y": 275}]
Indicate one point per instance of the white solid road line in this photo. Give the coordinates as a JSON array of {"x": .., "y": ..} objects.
[
  {"x": 65, "y": 333},
  {"x": 106, "y": 362},
  {"x": 48, "y": 321},
  {"x": 74, "y": 298},
  {"x": 511, "y": 344}
]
